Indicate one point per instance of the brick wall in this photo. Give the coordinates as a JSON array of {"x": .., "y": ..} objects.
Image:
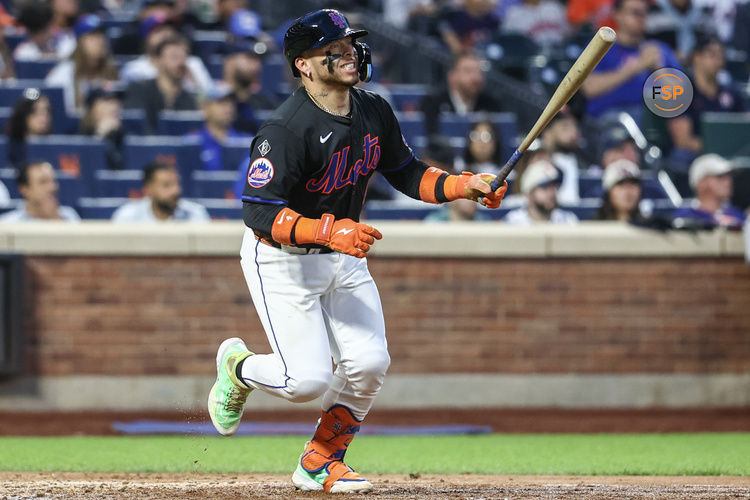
[{"x": 128, "y": 316}]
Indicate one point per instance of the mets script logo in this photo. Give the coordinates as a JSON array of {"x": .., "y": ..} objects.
[
  {"x": 260, "y": 172},
  {"x": 338, "y": 19},
  {"x": 339, "y": 174}
]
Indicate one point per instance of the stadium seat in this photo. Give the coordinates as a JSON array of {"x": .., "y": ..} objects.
[
  {"x": 274, "y": 74},
  {"x": 179, "y": 122},
  {"x": 726, "y": 134},
  {"x": 11, "y": 92},
  {"x": 412, "y": 125},
  {"x": 234, "y": 152},
  {"x": 221, "y": 208},
  {"x": 4, "y": 116},
  {"x": 183, "y": 152},
  {"x": 214, "y": 184},
  {"x": 118, "y": 183},
  {"x": 12, "y": 40},
  {"x": 406, "y": 97},
  {"x": 98, "y": 208},
  {"x": 8, "y": 178},
  {"x": 206, "y": 43},
  {"x": 78, "y": 156},
  {"x": 133, "y": 121},
  {"x": 29, "y": 70},
  {"x": 3, "y": 150},
  {"x": 215, "y": 66},
  {"x": 590, "y": 186}
]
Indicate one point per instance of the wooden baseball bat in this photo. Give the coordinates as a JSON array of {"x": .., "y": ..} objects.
[{"x": 586, "y": 62}]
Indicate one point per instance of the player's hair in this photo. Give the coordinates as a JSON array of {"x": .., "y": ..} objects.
[
  {"x": 176, "y": 39},
  {"x": 149, "y": 171},
  {"x": 22, "y": 177}
]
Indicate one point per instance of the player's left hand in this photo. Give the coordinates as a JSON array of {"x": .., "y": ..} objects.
[{"x": 477, "y": 188}]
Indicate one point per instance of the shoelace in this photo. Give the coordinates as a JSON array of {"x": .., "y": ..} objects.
[{"x": 236, "y": 400}]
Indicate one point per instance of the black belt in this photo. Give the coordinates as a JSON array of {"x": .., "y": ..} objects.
[{"x": 292, "y": 249}]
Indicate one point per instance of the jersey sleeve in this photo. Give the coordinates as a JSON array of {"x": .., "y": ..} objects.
[
  {"x": 275, "y": 166},
  {"x": 276, "y": 161},
  {"x": 396, "y": 153}
]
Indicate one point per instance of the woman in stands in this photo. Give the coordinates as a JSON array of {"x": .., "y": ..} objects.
[
  {"x": 90, "y": 66},
  {"x": 483, "y": 148},
  {"x": 622, "y": 193},
  {"x": 103, "y": 119},
  {"x": 31, "y": 117}
]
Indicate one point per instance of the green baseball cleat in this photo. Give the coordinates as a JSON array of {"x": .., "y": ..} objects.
[{"x": 226, "y": 401}]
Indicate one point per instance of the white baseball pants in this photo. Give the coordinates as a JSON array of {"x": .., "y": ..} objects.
[{"x": 316, "y": 308}]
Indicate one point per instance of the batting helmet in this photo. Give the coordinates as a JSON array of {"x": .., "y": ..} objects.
[{"x": 318, "y": 29}]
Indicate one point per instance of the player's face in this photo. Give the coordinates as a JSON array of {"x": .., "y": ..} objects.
[
  {"x": 625, "y": 195},
  {"x": 344, "y": 68},
  {"x": 164, "y": 189}
]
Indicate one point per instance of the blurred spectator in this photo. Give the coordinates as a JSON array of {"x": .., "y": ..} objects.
[
  {"x": 616, "y": 83},
  {"x": 741, "y": 35},
  {"x": 595, "y": 13},
  {"x": 242, "y": 73},
  {"x": 102, "y": 119},
  {"x": 541, "y": 20},
  {"x": 31, "y": 117},
  {"x": 617, "y": 144},
  {"x": 562, "y": 138},
  {"x": 677, "y": 21},
  {"x": 483, "y": 151},
  {"x": 154, "y": 30},
  {"x": 540, "y": 183},
  {"x": 167, "y": 90},
  {"x": 711, "y": 180},
  {"x": 37, "y": 184},
  {"x": 746, "y": 232},
  {"x": 6, "y": 61},
  {"x": 162, "y": 200},
  {"x": 622, "y": 193},
  {"x": 42, "y": 43},
  {"x": 403, "y": 13},
  {"x": 462, "y": 94},
  {"x": 4, "y": 195},
  {"x": 708, "y": 95},
  {"x": 90, "y": 66},
  {"x": 218, "y": 107},
  {"x": 472, "y": 23}
]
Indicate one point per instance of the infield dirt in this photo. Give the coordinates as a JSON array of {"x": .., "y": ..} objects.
[{"x": 28, "y": 485}]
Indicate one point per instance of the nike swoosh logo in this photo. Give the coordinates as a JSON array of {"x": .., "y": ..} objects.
[
  {"x": 324, "y": 139},
  {"x": 344, "y": 231}
]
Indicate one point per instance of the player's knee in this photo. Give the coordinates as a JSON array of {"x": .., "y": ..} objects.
[
  {"x": 309, "y": 388},
  {"x": 370, "y": 369}
]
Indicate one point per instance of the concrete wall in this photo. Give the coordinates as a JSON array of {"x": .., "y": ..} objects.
[{"x": 477, "y": 315}]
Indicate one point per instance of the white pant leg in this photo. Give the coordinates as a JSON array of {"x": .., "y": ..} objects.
[
  {"x": 356, "y": 327},
  {"x": 286, "y": 290}
]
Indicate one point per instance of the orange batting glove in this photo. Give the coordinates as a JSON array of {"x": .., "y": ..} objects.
[
  {"x": 475, "y": 187},
  {"x": 345, "y": 235}
]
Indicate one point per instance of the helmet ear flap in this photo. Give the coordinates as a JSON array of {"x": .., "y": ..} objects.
[{"x": 364, "y": 56}]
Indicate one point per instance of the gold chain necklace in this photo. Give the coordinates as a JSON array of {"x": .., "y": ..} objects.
[{"x": 321, "y": 106}]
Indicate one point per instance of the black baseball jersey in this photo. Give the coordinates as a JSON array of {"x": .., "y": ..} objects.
[{"x": 316, "y": 163}]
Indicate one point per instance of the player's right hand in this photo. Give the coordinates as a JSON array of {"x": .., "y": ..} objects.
[{"x": 352, "y": 238}]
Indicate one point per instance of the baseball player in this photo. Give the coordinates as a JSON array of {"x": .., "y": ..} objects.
[{"x": 303, "y": 253}]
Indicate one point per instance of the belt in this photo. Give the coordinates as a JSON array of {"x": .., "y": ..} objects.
[{"x": 293, "y": 249}]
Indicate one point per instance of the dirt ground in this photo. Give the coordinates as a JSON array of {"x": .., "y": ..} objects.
[
  {"x": 17, "y": 486},
  {"x": 510, "y": 420}
]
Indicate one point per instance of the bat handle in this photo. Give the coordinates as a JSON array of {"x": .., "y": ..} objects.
[{"x": 505, "y": 171}]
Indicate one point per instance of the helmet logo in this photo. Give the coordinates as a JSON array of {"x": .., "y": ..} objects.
[{"x": 338, "y": 19}]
